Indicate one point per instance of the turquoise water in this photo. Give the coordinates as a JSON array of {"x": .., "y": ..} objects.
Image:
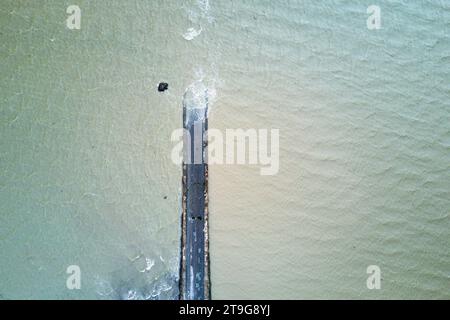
[{"x": 86, "y": 176}]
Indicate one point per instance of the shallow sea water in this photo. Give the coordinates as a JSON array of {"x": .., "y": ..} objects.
[{"x": 86, "y": 176}]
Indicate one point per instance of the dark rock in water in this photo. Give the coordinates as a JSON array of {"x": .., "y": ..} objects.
[{"x": 163, "y": 87}]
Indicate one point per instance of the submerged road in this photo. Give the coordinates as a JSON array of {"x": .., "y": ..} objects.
[{"x": 194, "y": 270}]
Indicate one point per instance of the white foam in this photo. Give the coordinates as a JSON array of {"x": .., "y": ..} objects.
[{"x": 192, "y": 33}]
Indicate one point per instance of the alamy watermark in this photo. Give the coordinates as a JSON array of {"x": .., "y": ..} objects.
[
  {"x": 73, "y": 21},
  {"x": 74, "y": 279},
  {"x": 374, "y": 20},
  {"x": 233, "y": 146},
  {"x": 374, "y": 280}
]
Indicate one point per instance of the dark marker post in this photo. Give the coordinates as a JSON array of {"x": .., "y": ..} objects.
[{"x": 194, "y": 270}]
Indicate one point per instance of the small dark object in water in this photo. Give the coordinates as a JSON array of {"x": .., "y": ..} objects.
[
  {"x": 163, "y": 87},
  {"x": 165, "y": 197}
]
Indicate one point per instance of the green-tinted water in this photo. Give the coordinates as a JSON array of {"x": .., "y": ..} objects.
[{"x": 85, "y": 151}]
